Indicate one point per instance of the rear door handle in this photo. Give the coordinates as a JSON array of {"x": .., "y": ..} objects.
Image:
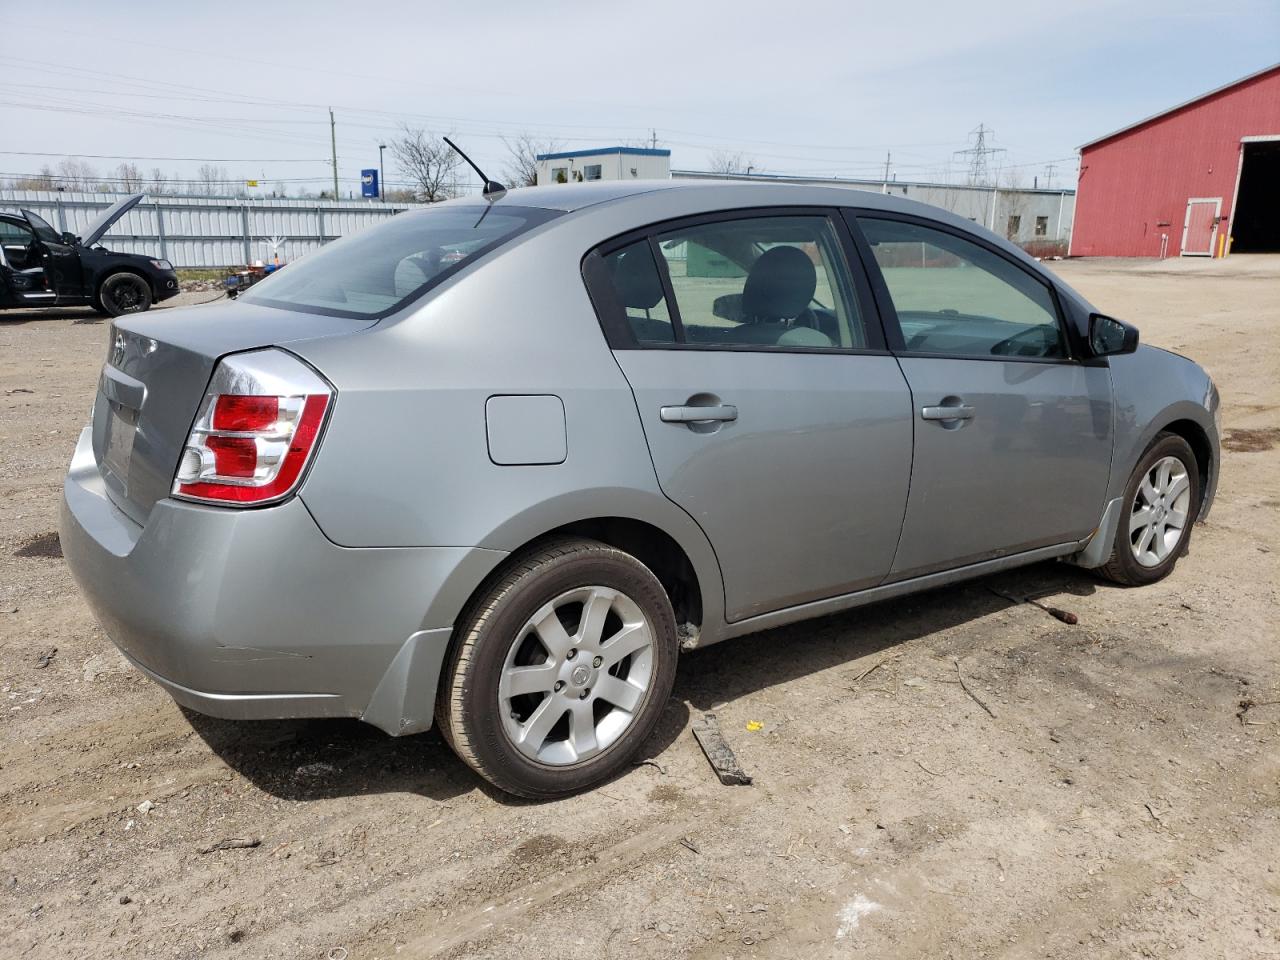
[
  {"x": 960, "y": 411},
  {"x": 686, "y": 414}
]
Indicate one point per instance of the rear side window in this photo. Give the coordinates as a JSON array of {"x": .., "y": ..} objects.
[
  {"x": 764, "y": 282},
  {"x": 954, "y": 297},
  {"x": 379, "y": 270},
  {"x": 14, "y": 235},
  {"x": 638, "y": 286}
]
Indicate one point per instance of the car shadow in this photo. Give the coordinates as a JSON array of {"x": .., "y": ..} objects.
[
  {"x": 19, "y": 317},
  {"x": 323, "y": 759},
  {"x": 736, "y": 668}
]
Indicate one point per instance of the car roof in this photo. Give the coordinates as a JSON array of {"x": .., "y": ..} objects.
[{"x": 568, "y": 197}]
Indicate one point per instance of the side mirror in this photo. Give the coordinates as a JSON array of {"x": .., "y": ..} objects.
[
  {"x": 1109, "y": 336},
  {"x": 69, "y": 238}
]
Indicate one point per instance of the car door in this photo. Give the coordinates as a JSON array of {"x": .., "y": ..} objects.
[
  {"x": 61, "y": 260},
  {"x": 773, "y": 412},
  {"x": 1013, "y": 436},
  {"x": 8, "y": 294}
]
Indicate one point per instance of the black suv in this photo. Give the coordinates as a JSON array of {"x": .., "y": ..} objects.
[{"x": 40, "y": 267}]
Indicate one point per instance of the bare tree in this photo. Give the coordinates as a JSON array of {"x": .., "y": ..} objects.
[
  {"x": 75, "y": 174},
  {"x": 428, "y": 162},
  {"x": 211, "y": 180},
  {"x": 522, "y": 167},
  {"x": 128, "y": 178},
  {"x": 1011, "y": 186},
  {"x": 44, "y": 180},
  {"x": 722, "y": 161},
  {"x": 158, "y": 182}
]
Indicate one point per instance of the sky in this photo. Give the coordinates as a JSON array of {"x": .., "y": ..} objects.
[{"x": 813, "y": 88}]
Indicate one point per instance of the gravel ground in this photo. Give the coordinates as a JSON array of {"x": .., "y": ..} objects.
[{"x": 1123, "y": 800}]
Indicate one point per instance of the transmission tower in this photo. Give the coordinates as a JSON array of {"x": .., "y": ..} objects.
[{"x": 977, "y": 154}]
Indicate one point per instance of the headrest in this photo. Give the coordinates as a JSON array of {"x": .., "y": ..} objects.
[
  {"x": 780, "y": 285},
  {"x": 636, "y": 278}
]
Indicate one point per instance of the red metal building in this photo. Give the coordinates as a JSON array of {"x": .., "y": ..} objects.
[{"x": 1198, "y": 179}]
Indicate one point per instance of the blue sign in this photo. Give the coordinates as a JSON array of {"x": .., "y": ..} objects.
[{"x": 369, "y": 183}]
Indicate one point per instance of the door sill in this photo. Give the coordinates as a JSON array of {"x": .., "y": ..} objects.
[{"x": 847, "y": 601}]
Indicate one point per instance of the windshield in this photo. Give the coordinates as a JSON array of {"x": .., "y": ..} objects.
[{"x": 377, "y": 271}]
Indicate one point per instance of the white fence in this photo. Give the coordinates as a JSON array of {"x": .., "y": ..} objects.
[{"x": 207, "y": 231}]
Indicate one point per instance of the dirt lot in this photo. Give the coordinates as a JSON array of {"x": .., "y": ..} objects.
[{"x": 1123, "y": 801}]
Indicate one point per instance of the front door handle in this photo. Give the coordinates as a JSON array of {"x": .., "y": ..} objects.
[
  {"x": 686, "y": 414},
  {"x": 959, "y": 411}
]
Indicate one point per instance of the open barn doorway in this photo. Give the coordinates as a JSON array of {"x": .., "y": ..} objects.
[{"x": 1255, "y": 223}]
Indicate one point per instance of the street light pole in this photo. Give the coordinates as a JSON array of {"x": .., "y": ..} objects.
[{"x": 382, "y": 175}]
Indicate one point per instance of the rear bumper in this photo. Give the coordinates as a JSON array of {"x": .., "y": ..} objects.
[{"x": 255, "y": 614}]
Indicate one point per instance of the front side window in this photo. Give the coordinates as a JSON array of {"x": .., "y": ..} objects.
[
  {"x": 380, "y": 269},
  {"x": 776, "y": 282},
  {"x": 42, "y": 227},
  {"x": 954, "y": 297}
]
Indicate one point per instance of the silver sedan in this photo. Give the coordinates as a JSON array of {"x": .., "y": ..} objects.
[{"x": 494, "y": 463}]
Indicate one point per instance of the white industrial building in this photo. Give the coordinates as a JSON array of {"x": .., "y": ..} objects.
[
  {"x": 1026, "y": 215},
  {"x": 604, "y": 163},
  {"x": 1029, "y": 216}
]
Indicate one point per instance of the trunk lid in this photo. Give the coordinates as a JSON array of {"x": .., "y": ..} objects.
[{"x": 157, "y": 370}]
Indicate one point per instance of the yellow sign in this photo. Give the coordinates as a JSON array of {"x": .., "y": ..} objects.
[{"x": 251, "y": 183}]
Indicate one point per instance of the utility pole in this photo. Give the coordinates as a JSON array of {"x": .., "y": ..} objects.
[
  {"x": 382, "y": 175},
  {"x": 888, "y": 158},
  {"x": 979, "y": 171},
  {"x": 655, "y": 139},
  {"x": 1048, "y": 175},
  {"x": 333, "y": 145}
]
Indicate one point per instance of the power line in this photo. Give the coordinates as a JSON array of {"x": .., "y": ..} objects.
[
  {"x": 121, "y": 156},
  {"x": 491, "y": 128}
]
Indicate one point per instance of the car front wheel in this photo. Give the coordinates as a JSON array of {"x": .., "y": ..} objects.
[
  {"x": 1161, "y": 503},
  {"x": 560, "y": 671},
  {"x": 123, "y": 293}
]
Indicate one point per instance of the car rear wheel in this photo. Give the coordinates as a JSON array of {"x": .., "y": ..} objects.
[
  {"x": 1161, "y": 503},
  {"x": 123, "y": 293},
  {"x": 560, "y": 670}
]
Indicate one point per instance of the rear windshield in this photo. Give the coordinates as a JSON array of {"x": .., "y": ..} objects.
[{"x": 378, "y": 270}]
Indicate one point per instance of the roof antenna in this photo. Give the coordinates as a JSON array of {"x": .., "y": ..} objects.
[{"x": 492, "y": 189}]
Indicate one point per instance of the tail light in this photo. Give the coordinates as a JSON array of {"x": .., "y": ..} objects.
[{"x": 258, "y": 426}]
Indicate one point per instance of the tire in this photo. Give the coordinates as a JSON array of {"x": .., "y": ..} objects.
[
  {"x": 123, "y": 293},
  {"x": 1145, "y": 553},
  {"x": 539, "y": 744}
]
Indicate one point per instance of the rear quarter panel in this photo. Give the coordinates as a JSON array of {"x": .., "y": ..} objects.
[{"x": 405, "y": 460}]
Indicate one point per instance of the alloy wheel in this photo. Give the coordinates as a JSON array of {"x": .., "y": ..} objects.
[
  {"x": 1160, "y": 511},
  {"x": 125, "y": 296},
  {"x": 576, "y": 675}
]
